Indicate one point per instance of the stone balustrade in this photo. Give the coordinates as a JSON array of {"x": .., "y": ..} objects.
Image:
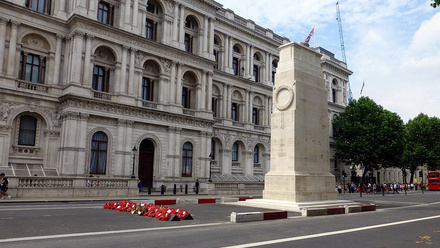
[{"x": 71, "y": 187}]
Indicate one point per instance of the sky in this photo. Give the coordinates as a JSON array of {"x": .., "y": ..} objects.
[{"x": 391, "y": 45}]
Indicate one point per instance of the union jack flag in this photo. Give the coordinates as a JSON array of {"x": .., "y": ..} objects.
[{"x": 310, "y": 35}]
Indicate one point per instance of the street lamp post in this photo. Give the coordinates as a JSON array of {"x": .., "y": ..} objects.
[{"x": 134, "y": 150}]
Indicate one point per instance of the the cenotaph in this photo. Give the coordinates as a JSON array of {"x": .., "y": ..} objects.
[{"x": 300, "y": 170}]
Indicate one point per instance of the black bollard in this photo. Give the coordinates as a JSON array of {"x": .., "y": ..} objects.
[
  {"x": 149, "y": 190},
  {"x": 174, "y": 190},
  {"x": 162, "y": 189},
  {"x": 186, "y": 189}
]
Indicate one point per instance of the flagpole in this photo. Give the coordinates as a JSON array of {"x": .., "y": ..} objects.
[{"x": 314, "y": 36}]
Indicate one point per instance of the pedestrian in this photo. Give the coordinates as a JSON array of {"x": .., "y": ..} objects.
[
  {"x": 140, "y": 185},
  {"x": 4, "y": 187},
  {"x": 339, "y": 188},
  {"x": 197, "y": 186}
]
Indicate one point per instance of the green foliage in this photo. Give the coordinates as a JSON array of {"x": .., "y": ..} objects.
[
  {"x": 423, "y": 143},
  {"x": 368, "y": 135},
  {"x": 435, "y": 3}
]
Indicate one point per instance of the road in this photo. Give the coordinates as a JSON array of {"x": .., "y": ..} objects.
[{"x": 411, "y": 220}]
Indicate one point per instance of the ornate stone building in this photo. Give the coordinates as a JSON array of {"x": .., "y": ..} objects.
[{"x": 165, "y": 91}]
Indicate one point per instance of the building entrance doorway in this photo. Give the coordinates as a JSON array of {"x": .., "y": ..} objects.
[{"x": 146, "y": 163}]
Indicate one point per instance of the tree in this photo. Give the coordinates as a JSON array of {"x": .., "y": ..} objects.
[
  {"x": 435, "y": 3},
  {"x": 423, "y": 143},
  {"x": 368, "y": 135}
]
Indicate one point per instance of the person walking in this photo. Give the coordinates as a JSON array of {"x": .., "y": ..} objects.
[
  {"x": 4, "y": 186},
  {"x": 197, "y": 186}
]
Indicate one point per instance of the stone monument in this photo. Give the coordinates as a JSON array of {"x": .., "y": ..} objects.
[{"x": 300, "y": 169}]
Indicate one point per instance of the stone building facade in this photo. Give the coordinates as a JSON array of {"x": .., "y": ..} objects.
[{"x": 167, "y": 91}]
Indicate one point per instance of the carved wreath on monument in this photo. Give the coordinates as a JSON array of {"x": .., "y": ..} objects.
[{"x": 283, "y": 97}]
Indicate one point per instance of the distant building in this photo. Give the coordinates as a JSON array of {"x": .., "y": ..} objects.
[{"x": 182, "y": 87}]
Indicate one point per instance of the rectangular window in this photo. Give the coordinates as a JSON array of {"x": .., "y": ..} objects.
[
  {"x": 256, "y": 73},
  {"x": 186, "y": 97},
  {"x": 273, "y": 77},
  {"x": 212, "y": 155},
  {"x": 216, "y": 59},
  {"x": 147, "y": 89},
  {"x": 42, "y": 6},
  {"x": 214, "y": 107},
  {"x": 234, "y": 111},
  {"x": 101, "y": 79},
  {"x": 188, "y": 43},
  {"x": 32, "y": 68},
  {"x": 255, "y": 116},
  {"x": 151, "y": 29},
  {"x": 27, "y": 131},
  {"x": 333, "y": 95},
  {"x": 105, "y": 13},
  {"x": 235, "y": 66},
  {"x": 256, "y": 155}
]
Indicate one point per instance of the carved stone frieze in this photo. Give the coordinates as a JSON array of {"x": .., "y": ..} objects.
[{"x": 5, "y": 109}]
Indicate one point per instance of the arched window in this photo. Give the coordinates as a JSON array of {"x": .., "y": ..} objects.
[
  {"x": 187, "y": 155},
  {"x": 154, "y": 12},
  {"x": 236, "y": 60},
  {"x": 235, "y": 152},
  {"x": 103, "y": 70},
  {"x": 191, "y": 29},
  {"x": 27, "y": 130},
  {"x": 98, "y": 155},
  {"x": 256, "y": 155}
]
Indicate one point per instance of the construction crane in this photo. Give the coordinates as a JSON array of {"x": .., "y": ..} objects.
[{"x": 341, "y": 35}]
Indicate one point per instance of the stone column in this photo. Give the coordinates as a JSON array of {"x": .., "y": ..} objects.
[
  {"x": 227, "y": 160},
  {"x": 179, "y": 85},
  {"x": 12, "y": 49},
  {"x": 225, "y": 102},
  {"x": 250, "y": 56},
  {"x": 200, "y": 45},
  {"x": 172, "y": 168},
  {"x": 269, "y": 110},
  {"x": 143, "y": 21},
  {"x": 82, "y": 144},
  {"x": 116, "y": 83},
  {"x": 87, "y": 73},
  {"x": 268, "y": 68},
  {"x": 137, "y": 82},
  {"x": 93, "y": 5},
  {"x": 211, "y": 37},
  {"x": 229, "y": 101},
  {"x": 77, "y": 57},
  {"x": 176, "y": 25},
  {"x": 209, "y": 92},
  {"x": 66, "y": 61},
  {"x": 162, "y": 88},
  {"x": 182, "y": 27},
  {"x": 173, "y": 89},
  {"x": 3, "y": 22},
  {"x": 122, "y": 13},
  {"x": 231, "y": 46},
  {"x": 201, "y": 92},
  {"x": 247, "y": 65},
  {"x": 131, "y": 82},
  {"x": 135, "y": 16},
  {"x": 60, "y": 10},
  {"x": 226, "y": 54},
  {"x": 205, "y": 36},
  {"x": 249, "y": 162},
  {"x": 127, "y": 15},
  {"x": 123, "y": 79},
  {"x": 176, "y": 152}
]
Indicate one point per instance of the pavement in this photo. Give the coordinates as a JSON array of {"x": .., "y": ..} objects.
[{"x": 142, "y": 196}]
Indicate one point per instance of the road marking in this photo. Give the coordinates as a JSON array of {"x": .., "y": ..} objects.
[
  {"x": 412, "y": 206},
  {"x": 277, "y": 241},
  {"x": 52, "y": 208},
  {"x": 70, "y": 235}
]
